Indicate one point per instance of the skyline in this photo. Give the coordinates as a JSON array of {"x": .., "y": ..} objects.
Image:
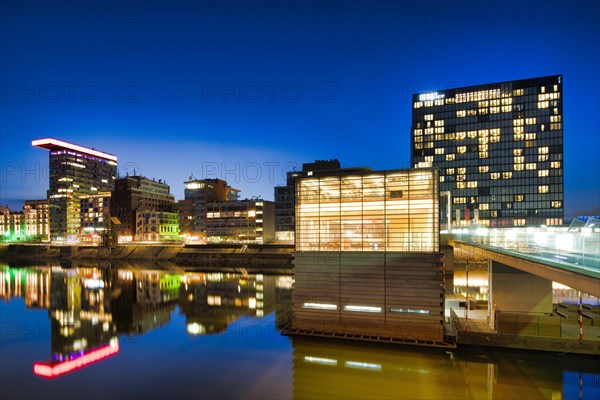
[{"x": 246, "y": 91}]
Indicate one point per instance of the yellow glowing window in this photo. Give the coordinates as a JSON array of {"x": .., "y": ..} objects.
[
  {"x": 483, "y": 133},
  {"x": 461, "y": 149},
  {"x": 543, "y": 157},
  {"x": 439, "y": 123},
  {"x": 484, "y": 206},
  {"x": 494, "y": 110},
  {"x": 461, "y": 170},
  {"x": 518, "y": 167},
  {"x": 460, "y": 185},
  {"x": 543, "y": 104},
  {"x": 530, "y": 166},
  {"x": 530, "y": 121},
  {"x": 439, "y": 151},
  {"x": 555, "y": 126},
  {"x": 483, "y": 147},
  {"x": 483, "y": 169},
  {"x": 519, "y": 136},
  {"x": 543, "y": 189},
  {"x": 518, "y": 122},
  {"x": 556, "y": 204},
  {"x": 518, "y": 92},
  {"x": 507, "y": 100},
  {"x": 460, "y": 200},
  {"x": 555, "y": 88},
  {"x": 543, "y": 89},
  {"x": 450, "y": 136},
  {"x": 482, "y": 104},
  {"x": 460, "y": 177},
  {"x": 483, "y": 111},
  {"x": 442, "y": 178},
  {"x": 450, "y": 171},
  {"x": 519, "y": 222},
  {"x": 494, "y": 213},
  {"x": 555, "y": 118},
  {"x": 418, "y": 132},
  {"x": 518, "y": 129},
  {"x": 530, "y": 136},
  {"x": 543, "y": 150},
  {"x": 495, "y": 139},
  {"x": 517, "y": 152},
  {"x": 543, "y": 173},
  {"x": 428, "y": 117},
  {"x": 461, "y": 135},
  {"x": 506, "y": 108},
  {"x": 495, "y": 102},
  {"x": 450, "y": 157},
  {"x": 555, "y": 164},
  {"x": 418, "y": 104},
  {"x": 428, "y": 158},
  {"x": 428, "y": 103},
  {"x": 472, "y": 134},
  {"x": 418, "y": 139},
  {"x": 495, "y": 175},
  {"x": 519, "y": 197},
  {"x": 519, "y": 159},
  {"x": 472, "y": 184},
  {"x": 507, "y": 175},
  {"x": 483, "y": 154},
  {"x": 461, "y": 113},
  {"x": 439, "y": 129},
  {"x": 471, "y": 113},
  {"x": 419, "y": 146}
]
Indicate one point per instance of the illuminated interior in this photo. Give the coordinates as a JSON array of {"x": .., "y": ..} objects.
[{"x": 374, "y": 211}]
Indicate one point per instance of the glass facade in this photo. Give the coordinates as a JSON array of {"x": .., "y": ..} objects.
[
  {"x": 498, "y": 148},
  {"x": 75, "y": 171},
  {"x": 368, "y": 211}
]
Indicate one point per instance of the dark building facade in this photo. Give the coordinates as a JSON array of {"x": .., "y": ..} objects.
[
  {"x": 135, "y": 195},
  {"x": 498, "y": 148},
  {"x": 75, "y": 171}
]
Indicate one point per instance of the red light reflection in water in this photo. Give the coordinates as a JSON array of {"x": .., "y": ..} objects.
[{"x": 49, "y": 370}]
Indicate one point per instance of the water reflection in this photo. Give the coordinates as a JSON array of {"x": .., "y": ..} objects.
[
  {"x": 334, "y": 369},
  {"x": 89, "y": 308}
]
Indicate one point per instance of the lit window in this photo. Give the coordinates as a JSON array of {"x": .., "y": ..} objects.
[
  {"x": 495, "y": 175},
  {"x": 461, "y": 170},
  {"x": 428, "y": 117},
  {"x": 530, "y": 121},
  {"x": 543, "y": 173},
  {"x": 507, "y": 175},
  {"x": 483, "y": 154},
  {"x": 518, "y": 129},
  {"x": 460, "y": 177},
  {"x": 517, "y": 152},
  {"x": 518, "y": 167},
  {"x": 555, "y": 164},
  {"x": 494, "y": 110},
  {"x": 518, "y": 122},
  {"x": 472, "y": 184},
  {"x": 556, "y": 88},
  {"x": 484, "y": 206},
  {"x": 461, "y": 149},
  {"x": 450, "y": 157},
  {"x": 472, "y": 134},
  {"x": 439, "y": 123},
  {"x": 506, "y": 108},
  {"x": 543, "y": 150},
  {"x": 519, "y": 136},
  {"x": 460, "y": 200},
  {"x": 543, "y": 189},
  {"x": 555, "y": 126},
  {"x": 483, "y": 147},
  {"x": 483, "y": 169},
  {"x": 442, "y": 178},
  {"x": 450, "y": 171},
  {"x": 543, "y": 104},
  {"x": 461, "y": 113},
  {"x": 519, "y": 159},
  {"x": 519, "y": 197},
  {"x": 530, "y": 136},
  {"x": 439, "y": 151},
  {"x": 460, "y": 185},
  {"x": 556, "y": 204},
  {"x": 518, "y": 92},
  {"x": 418, "y": 104},
  {"x": 461, "y": 135},
  {"x": 494, "y": 213},
  {"x": 530, "y": 166},
  {"x": 543, "y": 157}
]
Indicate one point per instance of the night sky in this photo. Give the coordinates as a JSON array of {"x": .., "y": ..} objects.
[{"x": 244, "y": 91}]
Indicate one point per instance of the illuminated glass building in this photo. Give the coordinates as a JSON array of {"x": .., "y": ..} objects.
[
  {"x": 498, "y": 148},
  {"x": 75, "y": 171},
  {"x": 367, "y": 258}
]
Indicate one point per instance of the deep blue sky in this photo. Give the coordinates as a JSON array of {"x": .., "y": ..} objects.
[{"x": 244, "y": 90}]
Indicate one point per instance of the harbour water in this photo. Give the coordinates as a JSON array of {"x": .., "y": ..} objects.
[{"x": 134, "y": 332}]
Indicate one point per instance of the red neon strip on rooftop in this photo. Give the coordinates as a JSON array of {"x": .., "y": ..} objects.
[
  {"x": 48, "y": 370},
  {"x": 49, "y": 143}
]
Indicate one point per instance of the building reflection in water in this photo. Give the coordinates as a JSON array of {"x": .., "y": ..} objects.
[
  {"x": 355, "y": 370},
  {"x": 90, "y": 307}
]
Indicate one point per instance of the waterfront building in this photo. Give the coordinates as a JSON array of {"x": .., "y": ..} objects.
[
  {"x": 285, "y": 196},
  {"x": 367, "y": 258},
  {"x": 498, "y": 148},
  {"x": 241, "y": 221},
  {"x": 75, "y": 171},
  {"x": 152, "y": 225},
  {"x": 95, "y": 213},
  {"x": 192, "y": 210},
  {"x": 37, "y": 219},
  {"x": 134, "y": 198}
]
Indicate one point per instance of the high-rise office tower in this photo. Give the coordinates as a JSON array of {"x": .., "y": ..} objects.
[
  {"x": 75, "y": 171},
  {"x": 498, "y": 148}
]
